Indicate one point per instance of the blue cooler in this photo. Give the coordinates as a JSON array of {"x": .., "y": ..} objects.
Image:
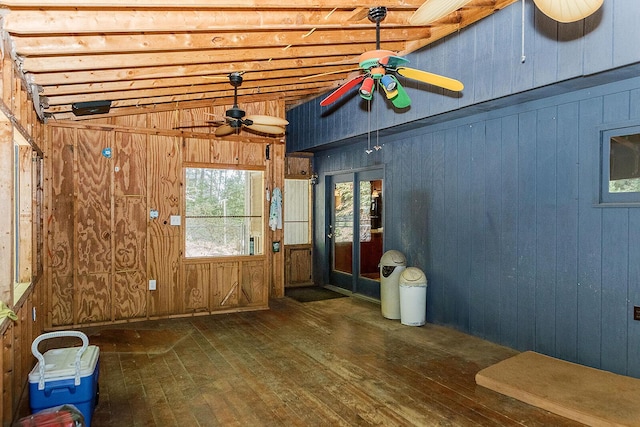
[{"x": 65, "y": 375}]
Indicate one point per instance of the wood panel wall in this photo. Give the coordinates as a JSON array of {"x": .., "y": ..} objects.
[
  {"x": 104, "y": 245},
  {"x": 501, "y": 211},
  {"x": 17, "y": 117}
]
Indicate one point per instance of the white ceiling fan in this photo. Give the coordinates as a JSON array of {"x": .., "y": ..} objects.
[{"x": 561, "y": 10}]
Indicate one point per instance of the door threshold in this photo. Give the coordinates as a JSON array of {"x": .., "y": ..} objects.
[{"x": 352, "y": 294}]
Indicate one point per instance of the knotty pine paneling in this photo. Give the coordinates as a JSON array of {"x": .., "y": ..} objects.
[
  {"x": 297, "y": 167},
  {"x": 252, "y": 289},
  {"x": 130, "y": 232},
  {"x": 253, "y": 154},
  {"x": 130, "y": 164},
  {"x": 225, "y": 152},
  {"x": 164, "y": 187},
  {"x": 109, "y": 247},
  {"x": 92, "y": 298},
  {"x": 16, "y": 359},
  {"x": 164, "y": 243},
  {"x": 61, "y": 241},
  {"x": 93, "y": 202},
  {"x": 197, "y": 150},
  {"x": 276, "y": 259},
  {"x": 225, "y": 282},
  {"x": 6, "y": 210},
  {"x": 134, "y": 121},
  {"x": 60, "y": 301},
  {"x": 197, "y": 280},
  {"x": 222, "y": 152},
  {"x": 129, "y": 295}
]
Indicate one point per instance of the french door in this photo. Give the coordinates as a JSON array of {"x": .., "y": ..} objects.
[{"x": 355, "y": 231}]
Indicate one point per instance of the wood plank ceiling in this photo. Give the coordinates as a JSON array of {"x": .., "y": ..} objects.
[{"x": 162, "y": 53}]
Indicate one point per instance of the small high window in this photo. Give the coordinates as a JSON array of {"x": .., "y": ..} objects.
[{"x": 621, "y": 165}]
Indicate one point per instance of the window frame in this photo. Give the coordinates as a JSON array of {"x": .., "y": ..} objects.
[
  {"x": 259, "y": 242},
  {"x": 24, "y": 227},
  {"x": 306, "y": 209},
  {"x": 606, "y": 197}
]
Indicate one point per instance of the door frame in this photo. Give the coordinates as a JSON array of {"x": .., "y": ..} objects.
[{"x": 351, "y": 282}]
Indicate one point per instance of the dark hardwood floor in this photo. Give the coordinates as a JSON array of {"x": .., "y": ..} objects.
[{"x": 327, "y": 363}]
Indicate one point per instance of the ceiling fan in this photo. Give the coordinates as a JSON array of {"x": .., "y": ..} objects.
[
  {"x": 381, "y": 67},
  {"x": 235, "y": 117}
]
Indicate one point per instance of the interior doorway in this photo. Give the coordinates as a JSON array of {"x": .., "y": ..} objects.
[{"x": 356, "y": 231}]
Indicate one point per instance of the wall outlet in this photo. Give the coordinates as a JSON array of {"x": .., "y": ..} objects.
[
  {"x": 152, "y": 284},
  {"x": 174, "y": 220},
  {"x": 636, "y": 312}
]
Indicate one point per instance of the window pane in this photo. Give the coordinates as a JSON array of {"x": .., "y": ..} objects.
[
  {"x": 296, "y": 211},
  {"x": 624, "y": 164},
  {"x": 224, "y": 212}
]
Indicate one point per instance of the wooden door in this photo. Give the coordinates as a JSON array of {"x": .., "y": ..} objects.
[{"x": 297, "y": 223}]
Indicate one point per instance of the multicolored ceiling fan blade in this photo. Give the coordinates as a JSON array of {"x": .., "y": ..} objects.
[
  {"x": 390, "y": 93},
  {"x": 336, "y": 94},
  {"x": 393, "y": 61},
  {"x": 430, "y": 78},
  {"x": 401, "y": 100}
]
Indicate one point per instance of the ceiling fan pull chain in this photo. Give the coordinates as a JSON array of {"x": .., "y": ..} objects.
[
  {"x": 523, "y": 57},
  {"x": 369, "y": 150}
]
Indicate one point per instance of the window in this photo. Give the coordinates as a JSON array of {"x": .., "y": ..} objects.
[
  {"x": 23, "y": 166},
  {"x": 621, "y": 165},
  {"x": 224, "y": 212},
  {"x": 297, "y": 193}
]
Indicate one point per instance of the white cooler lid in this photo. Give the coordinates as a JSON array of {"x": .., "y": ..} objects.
[{"x": 60, "y": 364}]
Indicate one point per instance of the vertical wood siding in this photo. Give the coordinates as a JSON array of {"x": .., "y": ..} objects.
[{"x": 500, "y": 209}]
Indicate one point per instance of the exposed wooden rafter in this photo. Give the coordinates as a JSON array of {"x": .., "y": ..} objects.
[{"x": 151, "y": 52}]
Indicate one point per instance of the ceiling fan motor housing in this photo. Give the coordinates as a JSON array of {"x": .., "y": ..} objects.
[{"x": 377, "y": 14}]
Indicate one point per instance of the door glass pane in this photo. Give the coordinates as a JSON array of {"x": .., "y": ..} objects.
[
  {"x": 370, "y": 228},
  {"x": 343, "y": 227}
]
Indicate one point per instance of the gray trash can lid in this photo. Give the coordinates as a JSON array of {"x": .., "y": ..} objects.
[
  {"x": 393, "y": 258},
  {"x": 412, "y": 276}
]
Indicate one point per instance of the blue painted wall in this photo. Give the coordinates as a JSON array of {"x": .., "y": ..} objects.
[
  {"x": 495, "y": 196},
  {"x": 486, "y": 57}
]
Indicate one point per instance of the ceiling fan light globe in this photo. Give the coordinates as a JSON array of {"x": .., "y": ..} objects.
[
  {"x": 388, "y": 82},
  {"x": 367, "y": 87},
  {"x": 568, "y": 10}
]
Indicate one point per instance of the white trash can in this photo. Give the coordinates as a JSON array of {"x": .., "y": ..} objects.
[
  {"x": 413, "y": 297},
  {"x": 392, "y": 264}
]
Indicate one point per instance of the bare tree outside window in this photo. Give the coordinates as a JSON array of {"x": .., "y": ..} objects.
[{"x": 224, "y": 212}]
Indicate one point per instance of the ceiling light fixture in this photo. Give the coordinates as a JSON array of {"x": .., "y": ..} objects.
[{"x": 568, "y": 10}]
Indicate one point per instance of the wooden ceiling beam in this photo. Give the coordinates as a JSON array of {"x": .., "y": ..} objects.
[
  {"x": 211, "y": 4},
  {"x": 51, "y": 22},
  {"x": 94, "y": 62},
  {"x": 134, "y": 43},
  {"x": 151, "y": 54},
  {"x": 250, "y": 80},
  {"x": 189, "y": 92},
  {"x": 215, "y": 98},
  {"x": 124, "y": 74}
]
